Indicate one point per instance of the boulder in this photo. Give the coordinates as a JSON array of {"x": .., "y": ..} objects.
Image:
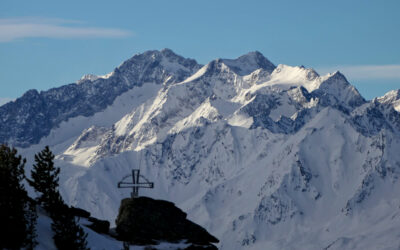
[
  {"x": 99, "y": 226},
  {"x": 146, "y": 221}
]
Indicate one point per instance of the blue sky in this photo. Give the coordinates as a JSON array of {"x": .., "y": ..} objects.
[{"x": 46, "y": 44}]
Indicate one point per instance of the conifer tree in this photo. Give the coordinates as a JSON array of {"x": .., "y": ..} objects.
[
  {"x": 67, "y": 232},
  {"x": 45, "y": 178},
  {"x": 17, "y": 222}
]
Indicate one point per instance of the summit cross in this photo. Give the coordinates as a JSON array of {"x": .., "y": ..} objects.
[{"x": 136, "y": 183}]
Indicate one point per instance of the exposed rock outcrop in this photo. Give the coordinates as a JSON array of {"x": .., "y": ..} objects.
[{"x": 144, "y": 221}]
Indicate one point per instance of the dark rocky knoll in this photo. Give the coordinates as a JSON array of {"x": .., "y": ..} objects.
[{"x": 146, "y": 221}]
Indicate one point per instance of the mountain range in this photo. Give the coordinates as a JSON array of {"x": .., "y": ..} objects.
[{"x": 262, "y": 156}]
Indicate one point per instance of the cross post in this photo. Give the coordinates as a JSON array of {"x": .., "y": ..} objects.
[{"x": 135, "y": 184}]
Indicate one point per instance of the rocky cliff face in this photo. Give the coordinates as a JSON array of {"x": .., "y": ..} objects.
[{"x": 262, "y": 156}]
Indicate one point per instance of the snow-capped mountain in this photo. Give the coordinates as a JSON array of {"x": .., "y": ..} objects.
[
  {"x": 31, "y": 117},
  {"x": 262, "y": 156}
]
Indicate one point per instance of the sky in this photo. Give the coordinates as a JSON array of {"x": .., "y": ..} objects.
[{"x": 46, "y": 44}]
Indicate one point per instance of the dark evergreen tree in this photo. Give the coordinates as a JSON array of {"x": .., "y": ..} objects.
[
  {"x": 17, "y": 223},
  {"x": 45, "y": 178},
  {"x": 67, "y": 232}
]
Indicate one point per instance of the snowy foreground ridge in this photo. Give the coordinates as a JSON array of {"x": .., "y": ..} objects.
[{"x": 262, "y": 156}]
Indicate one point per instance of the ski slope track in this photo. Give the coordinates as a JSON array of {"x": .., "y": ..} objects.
[{"x": 262, "y": 156}]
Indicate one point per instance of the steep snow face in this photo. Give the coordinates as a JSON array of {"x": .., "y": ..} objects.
[
  {"x": 262, "y": 156},
  {"x": 295, "y": 76}
]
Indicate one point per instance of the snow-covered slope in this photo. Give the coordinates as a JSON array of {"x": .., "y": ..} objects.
[
  {"x": 95, "y": 241},
  {"x": 263, "y": 157}
]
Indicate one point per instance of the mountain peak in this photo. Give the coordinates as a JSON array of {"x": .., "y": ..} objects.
[
  {"x": 157, "y": 55},
  {"x": 391, "y": 98},
  {"x": 162, "y": 65},
  {"x": 253, "y": 54},
  {"x": 338, "y": 88},
  {"x": 337, "y": 75},
  {"x": 248, "y": 63},
  {"x": 86, "y": 99},
  {"x": 168, "y": 52},
  {"x": 88, "y": 77},
  {"x": 392, "y": 95}
]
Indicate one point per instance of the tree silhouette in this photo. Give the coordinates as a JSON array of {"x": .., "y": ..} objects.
[
  {"x": 17, "y": 216},
  {"x": 67, "y": 232},
  {"x": 45, "y": 179}
]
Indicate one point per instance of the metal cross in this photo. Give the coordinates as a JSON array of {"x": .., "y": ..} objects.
[{"x": 135, "y": 184}]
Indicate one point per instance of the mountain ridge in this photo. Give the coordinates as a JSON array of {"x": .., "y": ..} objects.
[
  {"x": 279, "y": 157},
  {"x": 86, "y": 98}
]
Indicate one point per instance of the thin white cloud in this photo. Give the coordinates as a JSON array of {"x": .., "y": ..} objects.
[
  {"x": 18, "y": 28},
  {"x": 365, "y": 72},
  {"x": 4, "y": 100}
]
